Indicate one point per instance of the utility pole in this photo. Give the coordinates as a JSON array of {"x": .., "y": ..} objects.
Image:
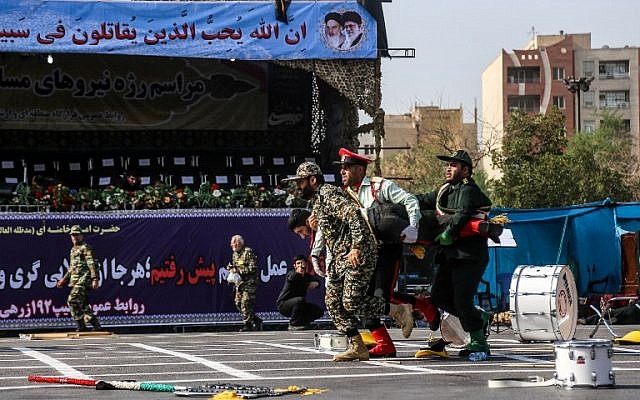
[{"x": 575, "y": 86}]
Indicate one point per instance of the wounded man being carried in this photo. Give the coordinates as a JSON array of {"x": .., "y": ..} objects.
[{"x": 389, "y": 220}]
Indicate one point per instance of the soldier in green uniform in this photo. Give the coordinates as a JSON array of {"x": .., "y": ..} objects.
[
  {"x": 81, "y": 277},
  {"x": 461, "y": 260},
  {"x": 244, "y": 262},
  {"x": 354, "y": 250}
]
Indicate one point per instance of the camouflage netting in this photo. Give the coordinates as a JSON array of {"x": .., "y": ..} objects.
[{"x": 357, "y": 80}]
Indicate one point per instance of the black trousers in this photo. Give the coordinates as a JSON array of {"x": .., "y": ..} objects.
[
  {"x": 300, "y": 311},
  {"x": 454, "y": 287},
  {"x": 384, "y": 277}
]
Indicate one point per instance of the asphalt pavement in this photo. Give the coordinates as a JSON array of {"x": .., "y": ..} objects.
[{"x": 278, "y": 359}]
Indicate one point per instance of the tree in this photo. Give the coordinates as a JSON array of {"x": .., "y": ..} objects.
[
  {"x": 541, "y": 168},
  {"x": 531, "y": 151},
  {"x": 604, "y": 161},
  {"x": 419, "y": 164}
]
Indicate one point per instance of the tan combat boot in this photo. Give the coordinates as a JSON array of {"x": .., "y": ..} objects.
[
  {"x": 403, "y": 315},
  {"x": 357, "y": 351}
]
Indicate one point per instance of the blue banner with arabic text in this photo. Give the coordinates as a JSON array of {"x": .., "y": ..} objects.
[
  {"x": 156, "y": 267},
  {"x": 244, "y": 30}
]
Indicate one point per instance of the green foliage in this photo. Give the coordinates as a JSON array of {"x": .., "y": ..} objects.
[
  {"x": 541, "y": 168},
  {"x": 158, "y": 196},
  {"x": 420, "y": 164}
]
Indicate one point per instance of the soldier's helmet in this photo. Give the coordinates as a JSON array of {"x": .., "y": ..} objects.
[
  {"x": 75, "y": 230},
  {"x": 305, "y": 170}
]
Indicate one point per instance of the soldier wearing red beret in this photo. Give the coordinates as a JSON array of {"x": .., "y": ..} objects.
[{"x": 372, "y": 193}]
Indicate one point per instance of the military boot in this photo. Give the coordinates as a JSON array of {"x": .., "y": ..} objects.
[
  {"x": 257, "y": 323},
  {"x": 95, "y": 323},
  {"x": 478, "y": 344},
  {"x": 430, "y": 312},
  {"x": 486, "y": 321},
  {"x": 248, "y": 327},
  {"x": 357, "y": 351},
  {"x": 403, "y": 315},
  {"x": 384, "y": 345},
  {"x": 82, "y": 327}
]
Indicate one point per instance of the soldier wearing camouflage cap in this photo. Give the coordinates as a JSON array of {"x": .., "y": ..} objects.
[
  {"x": 81, "y": 277},
  {"x": 353, "y": 247}
]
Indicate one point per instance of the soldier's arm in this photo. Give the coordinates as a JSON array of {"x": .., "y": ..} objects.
[
  {"x": 318, "y": 244},
  {"x": 250, "y": 262},
  {"x": 357, "y": 225},
  {"x": 466, "y": 208},
  {"x": 67, "y": 274},
  {"x": 92, "y": 263},
  {"x": 398, "y": 195}
]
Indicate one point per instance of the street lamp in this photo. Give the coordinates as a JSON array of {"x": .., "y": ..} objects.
[{"x": 576, "y": 86}]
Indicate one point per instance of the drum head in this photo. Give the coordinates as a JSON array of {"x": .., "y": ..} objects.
[
  {"x": 566, "y": 304},
  {"x": 451, "y": 330}
]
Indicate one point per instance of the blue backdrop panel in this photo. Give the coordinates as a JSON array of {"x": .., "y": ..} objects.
[{"x": 154, "y": 266}]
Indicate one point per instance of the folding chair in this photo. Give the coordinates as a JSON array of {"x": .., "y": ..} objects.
[{"x": 604, "y": 313}]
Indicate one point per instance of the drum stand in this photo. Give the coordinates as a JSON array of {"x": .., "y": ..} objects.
[{"x": 604, "y": 313}]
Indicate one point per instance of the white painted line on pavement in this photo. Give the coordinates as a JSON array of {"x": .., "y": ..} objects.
[
  {"x": 523, "y": 358},
  {"x": 377, "y": 363},
  {"x": 211, "y": 364},
  {"x": 64, "y": 369}
]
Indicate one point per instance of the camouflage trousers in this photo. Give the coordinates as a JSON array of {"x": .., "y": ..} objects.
[
  {"x": 245, "y": 299},
  {"x": 78, "y": 302},
  {"x": 346, "y": 296}
]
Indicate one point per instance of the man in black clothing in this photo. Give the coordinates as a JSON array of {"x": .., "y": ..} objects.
[
  {"x": 291, "y": 301},
  {"x": 461, "y": 260}
]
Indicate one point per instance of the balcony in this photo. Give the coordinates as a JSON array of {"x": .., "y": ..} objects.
[
  {"x": 614, "y": 104},
  {"x": 613, "y": 75}
]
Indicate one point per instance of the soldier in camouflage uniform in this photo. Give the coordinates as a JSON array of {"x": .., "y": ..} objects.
[
  {"x": 81, "y": 276},
  {"x": 353, "y": 247},
  {"x": 244, "y": 262}
]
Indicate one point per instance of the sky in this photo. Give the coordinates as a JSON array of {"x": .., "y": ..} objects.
[{"x": 455, "y": 40}]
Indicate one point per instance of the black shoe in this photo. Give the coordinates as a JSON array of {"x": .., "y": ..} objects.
[
  {"x": 434, "y": 325},
  {"x": 82, "y": 327},
  {"x": 247, "y": 328},
  {"x": 95, "y": 323},
  {"x": 257, "y": 323}
]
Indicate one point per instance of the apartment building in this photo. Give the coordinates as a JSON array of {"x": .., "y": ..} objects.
[
  {"x": 532, "y": 80},
  {"x": 428, "y": 124},
  {"x": 615, "y": 86}
]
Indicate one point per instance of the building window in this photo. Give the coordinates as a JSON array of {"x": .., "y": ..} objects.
[
  {"x": 369, "y": 149},
  {"x": 587, "y": 68},
  {"x": 558, "y": 73},
  {"x": 626, "y": 125},
  {"x": 588, "y": 126},
  {"x": 614, "y": 99},
  {"x": 558, "y": 101},
  {"x": 613, "y": 69},
  {"x": 588, "y": 99},
  {"x": 530, "y": 104},
  {"x": 523, "y": 75}
]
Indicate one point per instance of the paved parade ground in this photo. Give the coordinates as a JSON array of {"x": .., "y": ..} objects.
[{"x": 278, "y": 359}]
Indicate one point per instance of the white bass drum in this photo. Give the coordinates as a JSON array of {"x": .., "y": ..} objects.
[{"x": 543, "y": 303}]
